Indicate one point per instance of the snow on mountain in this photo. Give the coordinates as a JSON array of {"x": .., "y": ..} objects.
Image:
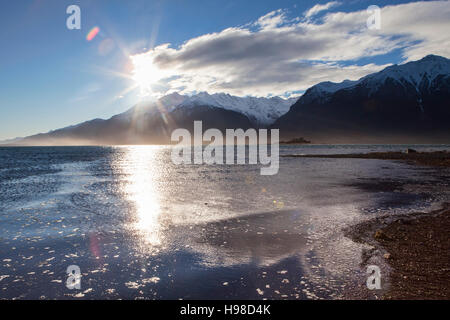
[
  {"x": 323, "y": 90},
  {"x": 331, "y": 87},
  {"x": 415, "y": 74},
  {"x": 167, "y": 103},
  {"x": 171, "y": 101},
  {"x": 408, "y": 101},
  {"x": 261, "y": 111},
  {"x": 401, "y": 98}
]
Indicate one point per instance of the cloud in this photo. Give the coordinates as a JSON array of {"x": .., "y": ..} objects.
[
  {"x": 320, "y": 7},
  {"x": 272, "y": 19},
  {"x": 424, "y": 25},
  {"x": 283, "y": 56}
]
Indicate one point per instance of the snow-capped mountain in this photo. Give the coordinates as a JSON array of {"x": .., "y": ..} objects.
[
  {"x": 166, "y": 103},
  {"x": 260, "y": 111},
  {"x": 411, "y": 100},
  {"x": 407, "y": 103},
  {"x": 417, "y": 74},
  {"x": 153, "y": 121},
  {"x": 328, "y": 87}
]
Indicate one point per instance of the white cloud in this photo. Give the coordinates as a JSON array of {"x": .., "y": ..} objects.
[
  {"x": 320, "y": 7},
  {"x": 426, "y": 25},
  {"x": 285, "y": 56},
  {"x": 272, "y": 19}
]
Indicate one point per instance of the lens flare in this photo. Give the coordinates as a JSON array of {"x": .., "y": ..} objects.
[
  {"x": 92, "y": 34},
  {"x": 105, "y": 47}
]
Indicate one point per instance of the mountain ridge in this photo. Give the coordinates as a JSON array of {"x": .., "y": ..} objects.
[
  {"x": 152, "y": 122},
  {"x": 408, "y": 102}
]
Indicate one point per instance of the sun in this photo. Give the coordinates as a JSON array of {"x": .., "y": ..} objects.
[{"x": 146, "y": 74}]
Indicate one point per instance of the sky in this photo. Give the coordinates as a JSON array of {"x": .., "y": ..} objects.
[{"x": 52, "y": 77}]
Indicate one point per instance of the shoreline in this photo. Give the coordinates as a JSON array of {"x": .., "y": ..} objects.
[
  {"x": 416, "y": 247},
  {"x": 436, "y": 158}
]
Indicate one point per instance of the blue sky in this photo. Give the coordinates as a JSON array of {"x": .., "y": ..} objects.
[{"x": 51, "y": 77}]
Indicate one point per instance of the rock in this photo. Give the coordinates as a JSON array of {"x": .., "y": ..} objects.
[
  {"x": 380, "y": 235},
  {"x": 387, "y": 256},
  {"x": 411, "y": 151}
]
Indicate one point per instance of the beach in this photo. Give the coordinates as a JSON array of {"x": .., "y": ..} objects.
[
  {"x": 139, "y": 227},
  {"x": 436, "y": 158},
  {"x": 416, "y": 246}
]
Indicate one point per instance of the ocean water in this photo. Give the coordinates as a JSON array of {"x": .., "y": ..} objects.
[{"x": 140, "y": 227}]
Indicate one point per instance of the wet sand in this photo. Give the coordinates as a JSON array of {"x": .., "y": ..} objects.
[
  {"x": 437, "y": 158},
  {"x": 416, "y": 247}
]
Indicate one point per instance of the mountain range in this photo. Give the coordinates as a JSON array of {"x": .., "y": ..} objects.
[{"x": 408, "y": 103}]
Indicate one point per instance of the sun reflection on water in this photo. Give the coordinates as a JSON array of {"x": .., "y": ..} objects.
[{"x": 142, "y": 190}]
